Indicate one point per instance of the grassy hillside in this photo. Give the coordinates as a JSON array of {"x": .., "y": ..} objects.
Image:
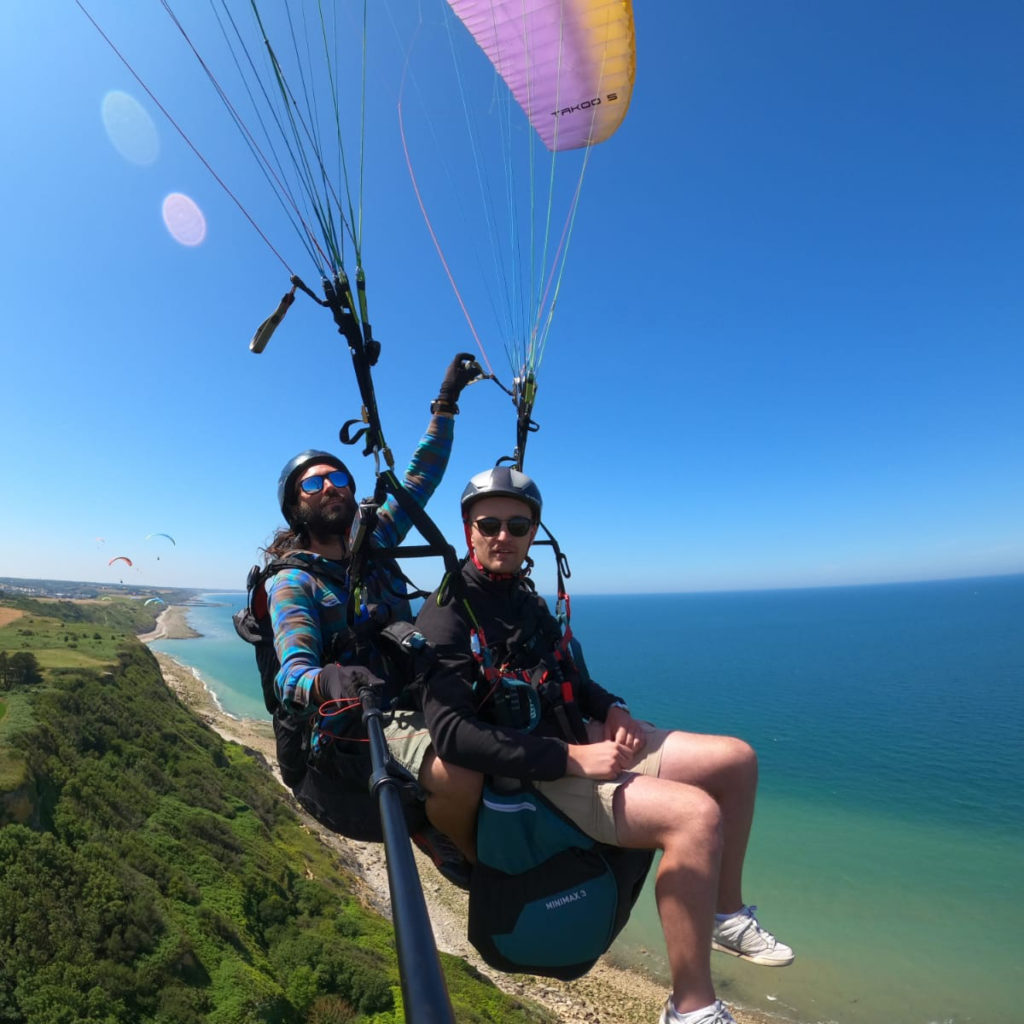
[{"x": 152, "y": 872}]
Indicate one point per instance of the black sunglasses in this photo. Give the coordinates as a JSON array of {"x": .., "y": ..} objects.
[
  {"x": 490, "y": 526},
  {"x": 314, "y": 484}
]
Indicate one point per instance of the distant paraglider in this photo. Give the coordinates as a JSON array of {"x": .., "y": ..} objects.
[
  {"x": 150, "y": 536},
  {"x": 120, "y": 558},
  {"x": 154, "y": 600}
]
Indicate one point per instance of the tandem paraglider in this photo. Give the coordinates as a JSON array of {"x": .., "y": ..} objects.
[{"x": 564, "y": 77}]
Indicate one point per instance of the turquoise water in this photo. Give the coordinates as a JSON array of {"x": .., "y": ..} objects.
[
  {"x": 888, "y": 847},
  {"x": 223, "y": 661}
]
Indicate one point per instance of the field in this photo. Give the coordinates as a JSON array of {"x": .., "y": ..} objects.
[
  {"x": 8, "y": 615},
  {"x": 71, "y": 634},
  {"x": 58, "y": 644},
  {"x": 60, "y": 636}
]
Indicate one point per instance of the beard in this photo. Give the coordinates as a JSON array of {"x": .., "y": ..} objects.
[{"x": 325, "y": 523}]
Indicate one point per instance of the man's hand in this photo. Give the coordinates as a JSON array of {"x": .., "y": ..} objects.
[
  {"x": 462, "y": 369},
  {"x": 623, "y": 728},
  {"x": 345, "y": 682},
  {"x": 603, "y": 760}
]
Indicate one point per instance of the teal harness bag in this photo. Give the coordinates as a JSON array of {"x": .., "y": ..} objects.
[{"x": 545, "y": 898}]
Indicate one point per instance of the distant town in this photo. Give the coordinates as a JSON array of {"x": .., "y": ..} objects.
[{"x": 72, "y": 590}]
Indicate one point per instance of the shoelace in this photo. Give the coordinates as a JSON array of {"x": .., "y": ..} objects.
[
  {"x": 750, "y": 913},
  {"x": 720, "y": 1016},
  {"x": 770, "y": 941}
]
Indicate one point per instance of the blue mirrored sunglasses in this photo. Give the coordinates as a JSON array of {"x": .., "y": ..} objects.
[{"x": 313, "y": 484}]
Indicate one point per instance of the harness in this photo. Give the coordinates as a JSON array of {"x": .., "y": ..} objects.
[{"x": 516, "y": 695}]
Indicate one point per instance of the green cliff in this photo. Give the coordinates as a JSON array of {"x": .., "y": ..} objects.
[{"x": 149, "y": 871}]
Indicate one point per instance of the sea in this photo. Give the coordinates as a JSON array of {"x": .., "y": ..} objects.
[{"x": 888, "y": 842}]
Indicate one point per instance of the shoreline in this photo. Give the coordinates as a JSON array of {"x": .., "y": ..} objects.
[
  {"x": 171, "y": 624},
  {"x": 607, "y": 994}
]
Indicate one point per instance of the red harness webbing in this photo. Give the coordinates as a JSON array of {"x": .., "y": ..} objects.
[{"x": 492, "y": 674}]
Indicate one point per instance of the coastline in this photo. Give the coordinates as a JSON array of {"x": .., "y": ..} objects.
[
  {"x": 171, "y": 624},
  {"x": 605, "y": 995}
]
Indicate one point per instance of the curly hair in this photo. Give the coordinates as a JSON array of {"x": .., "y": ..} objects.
[{"x": 285, "y": 540}]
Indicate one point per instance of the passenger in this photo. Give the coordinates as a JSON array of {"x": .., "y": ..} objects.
[{"x": 622, "y": 781}]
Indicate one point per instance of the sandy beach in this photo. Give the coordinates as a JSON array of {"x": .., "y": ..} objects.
[
  {"x": 171, "y": 624},
  {"x": 606, "y": 995}
]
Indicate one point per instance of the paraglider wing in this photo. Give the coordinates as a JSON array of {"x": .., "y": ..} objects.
[
  {"x": 120, "y": 558},
  {"x": 569, "y": 63},
  {"x": 149, "y": 536},
  {"x": 153, "y": 600}
]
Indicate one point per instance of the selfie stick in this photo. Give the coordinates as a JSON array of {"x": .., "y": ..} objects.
[{"x": 423, "y": 987}]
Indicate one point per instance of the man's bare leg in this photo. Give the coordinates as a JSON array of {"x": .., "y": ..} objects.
[
  {"x": 683, "y": 822},
  {"x": 726, "y": 769},
  {"x": 453, "y": 797}
]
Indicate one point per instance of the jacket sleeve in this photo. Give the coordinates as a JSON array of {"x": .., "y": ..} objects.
[
  {"x": 422, "y": 476},
  {"x": 298, "y": 640},
  {"x": 449, "y": 706}
]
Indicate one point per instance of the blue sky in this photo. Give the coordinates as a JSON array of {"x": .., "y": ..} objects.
[{"x": 788, "y": 346}]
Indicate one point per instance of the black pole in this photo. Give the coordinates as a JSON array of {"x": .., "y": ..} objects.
[{"x": 423, "y": 987}]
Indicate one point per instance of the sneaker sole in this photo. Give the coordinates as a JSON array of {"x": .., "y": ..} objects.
[{"x": 754, "y": 959}]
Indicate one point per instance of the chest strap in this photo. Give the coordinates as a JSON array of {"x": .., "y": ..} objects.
[{"x": 491, "y": 676}]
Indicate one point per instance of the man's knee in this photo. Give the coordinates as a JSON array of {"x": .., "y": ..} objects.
[
  {"x": 701, "y": 825},
  {"x": 741, "y": 756},
  {"x": 667, "y": 814},
  {"x": 450, "y": 781},
  {"x": 466, "y": 785},
  {"x": 727, "y": 760}
]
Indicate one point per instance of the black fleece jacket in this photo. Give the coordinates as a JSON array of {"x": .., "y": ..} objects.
[{"x": 513, "y": 617}]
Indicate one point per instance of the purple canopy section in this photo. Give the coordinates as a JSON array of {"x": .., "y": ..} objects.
[{"x": 569, "y": 63}]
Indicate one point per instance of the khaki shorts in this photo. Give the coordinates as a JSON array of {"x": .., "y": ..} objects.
[
  {"x": 588, "y": 802},
  {"x": 408, "y": 739}
]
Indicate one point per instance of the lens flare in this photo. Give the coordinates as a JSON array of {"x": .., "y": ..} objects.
[
  {"x": 184, "y": 219},
  {"x": 130, "y": 129}
]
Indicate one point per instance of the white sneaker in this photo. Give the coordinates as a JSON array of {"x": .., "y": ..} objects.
[
  {"x": 741, "y": 935},
  {"x": 714, "y": 1014}
]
